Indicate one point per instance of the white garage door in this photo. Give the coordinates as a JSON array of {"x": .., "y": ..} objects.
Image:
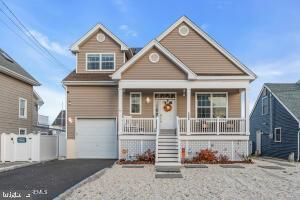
[{"x": 96, "y": 138}]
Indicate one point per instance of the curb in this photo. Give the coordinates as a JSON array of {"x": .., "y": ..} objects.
[
  {"x": 81, "y": 183},
  {"x": 5, "y": 169}
]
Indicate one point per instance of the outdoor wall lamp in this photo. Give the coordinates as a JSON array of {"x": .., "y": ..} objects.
[{"x": 148, "y": 100}]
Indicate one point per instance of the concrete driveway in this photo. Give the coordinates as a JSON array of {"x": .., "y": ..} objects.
[{"x": 48, "y": 180}]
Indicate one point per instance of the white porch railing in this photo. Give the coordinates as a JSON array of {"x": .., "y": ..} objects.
[
  {"x": 178, "y": 139},
  {"x": 156, "y": 140},
  {"x": 138, "y": 125},
  {"x": 213, "y": 126}
]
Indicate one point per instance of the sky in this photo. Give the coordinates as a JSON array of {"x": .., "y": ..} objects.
[{"x": 263, "y": 35}]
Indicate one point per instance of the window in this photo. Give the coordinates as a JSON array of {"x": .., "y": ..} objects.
[
  {"x": 265, "y": 105},
  {"x": 135, "y": 102},
  {"x": 22, "y": 108},
  {"x": 277, "y": 133},
  {"x": 211, "y": 105},
  {"x": 22, "y": 131},
  {"x": 100, "y": 62}
]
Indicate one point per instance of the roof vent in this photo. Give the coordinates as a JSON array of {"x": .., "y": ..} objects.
[
  {"x": 183, "y": 30},
  {"x": 154, "y": 57},
  {"x": 100, "y": 37}
]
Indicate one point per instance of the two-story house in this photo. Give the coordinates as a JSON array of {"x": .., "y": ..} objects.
[
  {"x": 275, "y": 121},
  {"x": 19, "y": 103},
  {"x": 182, "y": 92}
]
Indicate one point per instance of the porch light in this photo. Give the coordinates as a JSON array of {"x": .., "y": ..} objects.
[
  {"x": 183, "y": 93},
  {"x": 148, "y": 100},
  {"x": 70, "y": 120}
]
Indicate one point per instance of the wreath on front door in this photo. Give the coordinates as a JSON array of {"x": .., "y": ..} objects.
[{"x": 168, "y": 106}]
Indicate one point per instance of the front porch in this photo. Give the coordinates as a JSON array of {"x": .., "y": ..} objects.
[{"x": 171, "y": 120}]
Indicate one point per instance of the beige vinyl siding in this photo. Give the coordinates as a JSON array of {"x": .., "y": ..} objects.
[
  {"x": 234, "y": 102},
  {"x": 10, "y": 91},
  {"x": 90, "y": 101},
  {"x": 164, "y": 69},
  {"x": 93, "y": 46},
  {"x": 200, "y": 56},
  {"x": 147, "y": 109}
]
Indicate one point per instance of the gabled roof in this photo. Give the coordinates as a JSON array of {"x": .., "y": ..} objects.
[
  {"x": 60, "y": 119},
  {"x": 10, "y": 67},
  {"x": 209, "y": 40},
  {"x": 166, "y": 52},
  {"x": 97, "y": 27},
  {"x": 288, "y": 94}
]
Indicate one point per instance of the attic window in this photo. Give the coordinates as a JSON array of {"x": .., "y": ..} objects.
[
  {"x": 154, "y": 57},
  {"x": 183, "y": 30},
  {"x": 6, "y": 56},
  {"x": 100, "y": 37}
]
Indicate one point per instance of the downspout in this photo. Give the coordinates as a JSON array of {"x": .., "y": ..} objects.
[{"x": 298, "y": 157}]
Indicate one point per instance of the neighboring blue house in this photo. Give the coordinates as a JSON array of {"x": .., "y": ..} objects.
[{"x": 275, "y": 120}]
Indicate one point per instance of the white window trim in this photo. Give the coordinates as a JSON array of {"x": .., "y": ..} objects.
[
  {"x": 100, "y": 55},
  {"x": 262, "y": 106},
  {"x": 211, "y": 107},
  {"x": 25, "y": 111},
  {"x": 275, "y": 134},
  {"x": 140, "y": 93},
  {"x": 25, "y": 129}
]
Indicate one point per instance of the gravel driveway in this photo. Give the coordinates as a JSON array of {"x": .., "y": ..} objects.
[{"x": 214, "y": 182}]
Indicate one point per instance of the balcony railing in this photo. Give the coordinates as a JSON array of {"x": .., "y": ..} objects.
[
  {"x": 138, "y": 125},
  {"x": 213, "y": 126}
]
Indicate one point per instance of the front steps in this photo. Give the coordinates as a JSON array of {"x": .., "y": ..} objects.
[
  {"x": 167, "y": 147},
  {"x": 168, "y": 172},
  {"x": 167, "y": 165}
]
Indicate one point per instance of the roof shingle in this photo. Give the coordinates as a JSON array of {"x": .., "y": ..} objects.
[
  {"x": 73, "y": 76},
  {"x": 11, "y": 65},
  {"x": 288, "y": 94}
]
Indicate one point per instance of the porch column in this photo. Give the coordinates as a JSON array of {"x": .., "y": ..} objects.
[
  {"x": 247, "y": 111},
  {"x": 188, "y": 110},
  {"x": 120, "y": 109}
]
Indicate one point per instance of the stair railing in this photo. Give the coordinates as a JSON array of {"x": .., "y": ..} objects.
[
  {"x": 178, "y": 138},
  {"x": 156, "y": 141}
]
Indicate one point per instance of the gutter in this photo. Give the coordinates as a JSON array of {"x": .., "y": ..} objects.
[
  {"x": 19, "y": 76},
  {"x": 298, "y": 157},
  {"x": 89, "y": 83}
]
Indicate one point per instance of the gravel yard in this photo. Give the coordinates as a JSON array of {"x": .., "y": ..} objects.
[{"x": 214, "y": 182}]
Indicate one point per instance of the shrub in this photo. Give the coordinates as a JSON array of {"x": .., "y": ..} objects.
[
  {"x": 246, "y": 159},
  {"x": 148, "y": 157},
  {"x": 206, "y": 155},
  {"x": 223, "y": 159}
]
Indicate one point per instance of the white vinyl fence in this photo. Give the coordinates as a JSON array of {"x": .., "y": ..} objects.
[{"x": 30, "y": 147}]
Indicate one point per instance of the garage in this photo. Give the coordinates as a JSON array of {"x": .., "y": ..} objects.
[{"x": 96, "y": 138}]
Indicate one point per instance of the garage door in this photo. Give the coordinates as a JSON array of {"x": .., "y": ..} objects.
[{"x": 96, "y": 138}]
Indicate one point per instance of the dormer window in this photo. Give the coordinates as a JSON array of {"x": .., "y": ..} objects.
[{"x": 100, "y": 62}]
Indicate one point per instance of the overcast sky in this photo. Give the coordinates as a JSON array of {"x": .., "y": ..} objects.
[{"x": 264, "y": 35}]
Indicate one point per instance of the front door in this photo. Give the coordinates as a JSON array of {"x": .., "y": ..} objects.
[{"x": 166, "y": 109}]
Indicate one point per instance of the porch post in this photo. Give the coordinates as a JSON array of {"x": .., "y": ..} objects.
[
  {"x": 120, "y": 109},
  {"x": 188, "y": 110},
  {"x": 247, "y": 111}
]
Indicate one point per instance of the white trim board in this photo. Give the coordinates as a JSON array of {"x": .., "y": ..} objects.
[
  {"x": 89, "y": 83},
  {"x": 75, "y": 47},
  {"x": 18, "y": 76},
  {"x": 209, "y": 40},
  {"x": 178, "y": 84},
  {"x": 166, "y": 52}
]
